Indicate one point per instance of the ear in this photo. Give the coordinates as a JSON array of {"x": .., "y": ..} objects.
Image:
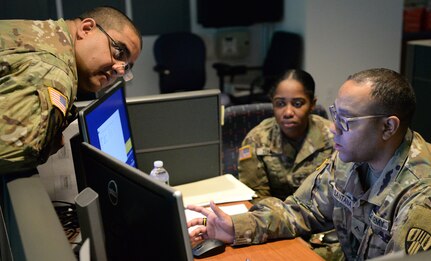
[
  {"x": 390, "y": 127},
  {"x": 313, "y": 104},
  {"x": 85, "y": 27}
]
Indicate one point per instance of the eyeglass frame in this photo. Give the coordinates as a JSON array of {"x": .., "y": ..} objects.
[
  {"x": 335, "y": 118},
  {"x": 126, "y": 66}
]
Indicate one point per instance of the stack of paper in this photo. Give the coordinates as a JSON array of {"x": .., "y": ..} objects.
[{"x": 220, "y": 189}]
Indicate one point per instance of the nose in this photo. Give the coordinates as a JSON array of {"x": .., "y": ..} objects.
[
  {"x": 288, "y": 111},
  {"x": 119, "y": 69},
  {"x": 335, "y": 129}
]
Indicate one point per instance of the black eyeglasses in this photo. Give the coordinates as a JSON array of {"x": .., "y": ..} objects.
[
  {"x": 343, "y": 122},
  {"x": 121, "y": 54}
]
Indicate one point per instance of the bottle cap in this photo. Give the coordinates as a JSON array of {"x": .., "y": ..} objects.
[{"x": 158, "y": 163}]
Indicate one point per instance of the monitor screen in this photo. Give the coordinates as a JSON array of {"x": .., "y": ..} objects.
[
  {"x": 104, "y": 123},
  {"x": 143, "y": 219}
]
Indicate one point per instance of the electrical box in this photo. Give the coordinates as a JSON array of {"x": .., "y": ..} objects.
[{"x": 233, "y": 44}]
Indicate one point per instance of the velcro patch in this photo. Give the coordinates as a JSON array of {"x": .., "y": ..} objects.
[
  {"x": 244, "y": 152},
  {"x": 417, "y": 240},
  {"x": 58, "y": 100}
]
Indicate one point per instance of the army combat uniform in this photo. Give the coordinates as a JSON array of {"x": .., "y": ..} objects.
[
  {"x": 394, "y": 214},
  {"x": 38, "y": 84},
  {"x": 271, "y": 166}
]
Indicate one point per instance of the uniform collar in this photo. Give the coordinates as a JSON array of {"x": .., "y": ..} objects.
[
  {"x": 315, "y": 139},
  {"x": 377, "y": 192}
]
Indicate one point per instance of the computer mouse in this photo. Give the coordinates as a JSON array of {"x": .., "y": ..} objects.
[{"x": 208, "y": 247}]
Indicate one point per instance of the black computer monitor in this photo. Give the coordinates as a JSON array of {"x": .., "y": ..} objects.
[
  {"x": 104, "y": 123},
  {"x": 143, "y": 219}
]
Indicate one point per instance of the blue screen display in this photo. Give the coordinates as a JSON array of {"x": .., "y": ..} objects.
[{"x": 107, "y": 126}]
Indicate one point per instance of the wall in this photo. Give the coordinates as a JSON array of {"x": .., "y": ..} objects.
[{"x": 341, "y": 37}]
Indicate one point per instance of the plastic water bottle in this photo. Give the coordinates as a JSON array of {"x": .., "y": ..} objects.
[{"x": 159, "y": 172}]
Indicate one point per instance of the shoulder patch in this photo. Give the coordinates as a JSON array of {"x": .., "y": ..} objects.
[
  {"x": 58, "y": 100},
  {"x": 417, "y": 240},
  {"x": 244, "y": 152}
]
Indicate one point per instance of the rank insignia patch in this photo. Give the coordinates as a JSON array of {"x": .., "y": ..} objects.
[
  {"x": 244, "y": 152},
  {"x": 417, "y": 240}
]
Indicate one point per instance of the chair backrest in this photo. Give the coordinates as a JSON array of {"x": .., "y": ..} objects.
[
  {"x": 238, "y": 121},
  {"x": 180, "y": 62},
  {"x": 285, "y": 52}
]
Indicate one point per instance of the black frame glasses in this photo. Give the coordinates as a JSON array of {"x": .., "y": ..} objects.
[
  {"x": 343, "y": 122},
  {"x": 121, "y": 54}
]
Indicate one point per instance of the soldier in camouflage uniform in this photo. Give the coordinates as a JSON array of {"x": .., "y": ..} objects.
[
  {"x": 278, "y": 154},
  {"x": 375, "y": 190},
  {"x": 42, "y": 64}
]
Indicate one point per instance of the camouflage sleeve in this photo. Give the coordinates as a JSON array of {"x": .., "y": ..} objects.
[
  {"x": 251, "y": 170},
  {"x": 411, "y": 229},
  {"x": 307, "y": 211},
  {"x": 30, "y": 123}
]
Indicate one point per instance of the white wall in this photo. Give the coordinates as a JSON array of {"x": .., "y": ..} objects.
[
  {"x": 340, "y": 37},
  {"x": 343, "y": 37}
]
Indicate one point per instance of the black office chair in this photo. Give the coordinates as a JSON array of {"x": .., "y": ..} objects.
[
  {"x": 238, "y": 121},
  {"x": 180, "y": 62},
  {"x": 285, "y": 52}
]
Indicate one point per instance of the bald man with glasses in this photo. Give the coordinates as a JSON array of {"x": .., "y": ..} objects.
[
  {"x": 43, "y": 65},
  {"x": 375, "y": 190}
]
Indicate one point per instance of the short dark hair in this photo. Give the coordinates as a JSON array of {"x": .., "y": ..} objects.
[
  {"x": 391, "y": 91},
  {"x": 111, "y": 18},
  {"x": 301, "y": 76}
]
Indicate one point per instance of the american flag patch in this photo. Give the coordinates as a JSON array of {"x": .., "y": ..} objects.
[
  {"x": 58, "y": 100},
  {"x": 244, "y": 152}
]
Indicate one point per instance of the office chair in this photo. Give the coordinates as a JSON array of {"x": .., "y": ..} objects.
[
  {"x": 285, "y": 52},
  {"x": 238, "y": 121},
  {"x": 180, "y": 62}
]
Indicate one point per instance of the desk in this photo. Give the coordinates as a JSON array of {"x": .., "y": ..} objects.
[{"x": 286, "y": 249}]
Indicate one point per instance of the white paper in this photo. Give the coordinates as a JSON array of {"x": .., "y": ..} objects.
[{"x": 220, "y": 189}]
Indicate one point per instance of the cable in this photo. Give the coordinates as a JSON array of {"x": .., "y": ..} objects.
[{"x": 66, "y": 212}]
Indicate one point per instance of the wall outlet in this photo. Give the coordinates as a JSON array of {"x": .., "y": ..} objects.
[{"x": 233, "y": 44}]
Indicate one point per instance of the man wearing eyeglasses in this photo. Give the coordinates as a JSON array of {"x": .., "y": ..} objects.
[
  {"x": 375, "y": 190},
  {"x": 43, "y": 65}
]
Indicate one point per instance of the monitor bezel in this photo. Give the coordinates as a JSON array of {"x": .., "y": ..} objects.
[{"x": 84, "y": 112}]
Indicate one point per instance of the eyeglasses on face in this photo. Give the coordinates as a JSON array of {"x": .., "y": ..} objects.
[
  {"x": 120, "y": 54},
  {"x": 343, "y": 122}
]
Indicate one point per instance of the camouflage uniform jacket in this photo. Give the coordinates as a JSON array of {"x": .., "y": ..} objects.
[
  {"x": 38, "y": 84},
  {"x": 393, "y": 215},
  {"x": 273, "y": 167}
]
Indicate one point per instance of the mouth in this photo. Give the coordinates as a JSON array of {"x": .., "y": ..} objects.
[
  {"x": 289, "y": 124},
  {"x": 107, "y": 76},
  {"x": 337, "y": 146}
]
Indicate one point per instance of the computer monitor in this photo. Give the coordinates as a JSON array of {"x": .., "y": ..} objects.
[
  {"x": 104, "y": 123},
  {"x": 143, "y": 219}
]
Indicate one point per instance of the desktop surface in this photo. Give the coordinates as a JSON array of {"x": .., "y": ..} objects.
[{"x": 279, "y": 250}]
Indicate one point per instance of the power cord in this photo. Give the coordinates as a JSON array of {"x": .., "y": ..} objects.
[{"x": 68, "y": 216}]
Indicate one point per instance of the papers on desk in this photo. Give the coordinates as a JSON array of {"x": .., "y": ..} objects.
[{"x": 220, "y": 189}]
